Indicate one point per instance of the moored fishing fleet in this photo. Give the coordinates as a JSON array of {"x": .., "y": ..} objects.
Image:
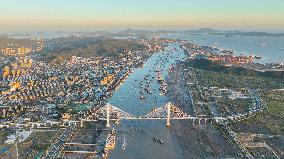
[{"x": 156, "y": 74}]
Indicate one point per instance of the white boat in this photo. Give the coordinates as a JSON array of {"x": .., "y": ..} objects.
[{"x": 124, "y": 144}]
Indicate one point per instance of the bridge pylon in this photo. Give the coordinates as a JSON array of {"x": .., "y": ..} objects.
[
  {"x": 168, "y": 124},
  {"x": 107, "y": 114},
  {"x": 81, "y": 122}
]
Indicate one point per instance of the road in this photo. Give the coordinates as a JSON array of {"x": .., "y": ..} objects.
[{"x": 55, "y": 149}]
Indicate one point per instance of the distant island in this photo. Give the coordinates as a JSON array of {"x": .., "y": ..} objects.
[
  {"x": 233, "y": 33},
  {"x": 201, "y": 31},
  {"x": 145, "y": 32}
]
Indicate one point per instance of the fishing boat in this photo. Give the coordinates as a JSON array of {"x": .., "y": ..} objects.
[
  {"x": 160, "y": 79},
  {"x": 257, "y": 57},
  {"x": 161, "y": 94},
  {"x": 160, "y": 141}
]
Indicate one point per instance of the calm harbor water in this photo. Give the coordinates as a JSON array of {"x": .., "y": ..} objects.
[
  {"x": 139, "y": 134},
  {"x": 271, "y": 49}
]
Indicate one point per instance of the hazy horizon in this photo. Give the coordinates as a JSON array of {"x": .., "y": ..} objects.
[
  {"x": 114, "y": 30},
  {"x": 88, "y": 15}
]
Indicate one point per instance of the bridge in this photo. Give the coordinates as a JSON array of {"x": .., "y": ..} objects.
[
  {"x": 165, "y": 112},
  {"x": 168, "y": 112}
]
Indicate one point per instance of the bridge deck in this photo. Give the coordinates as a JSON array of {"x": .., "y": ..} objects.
[
  {"x": 80, "y": 144},
  {"x": 81, "y": 152}
]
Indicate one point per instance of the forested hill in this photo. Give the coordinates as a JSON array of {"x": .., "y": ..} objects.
[
  {"x": 105, "y": 47},
  {"x": 219, "y": 67},
  {"x": 6, "y": 42}
]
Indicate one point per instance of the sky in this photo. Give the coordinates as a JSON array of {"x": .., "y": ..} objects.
[{"x": 43, "y": 15}]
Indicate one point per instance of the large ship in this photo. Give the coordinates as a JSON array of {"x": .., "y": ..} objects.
[{"x": 110, "y": 143}]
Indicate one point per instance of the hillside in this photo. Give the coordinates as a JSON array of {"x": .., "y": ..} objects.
[
  {"x": 219, "y": 67},
  {"x": 109, "y": 47},
  {"x": 14, "y": 43}
]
